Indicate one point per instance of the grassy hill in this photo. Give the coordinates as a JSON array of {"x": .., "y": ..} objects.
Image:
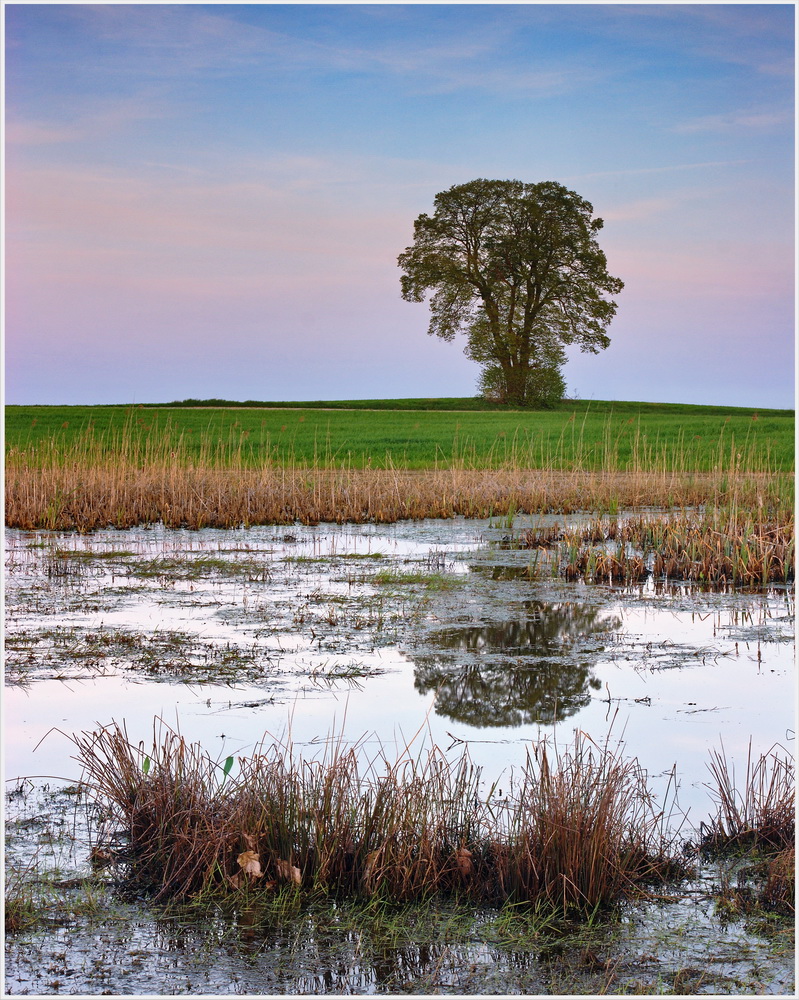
[{"x": 415, "y": 434}]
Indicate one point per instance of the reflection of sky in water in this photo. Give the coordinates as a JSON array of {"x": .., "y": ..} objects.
[{"x": 622, "y": 654}]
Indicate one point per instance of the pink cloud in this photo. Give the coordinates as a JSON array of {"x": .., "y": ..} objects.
[
  {"x": 166, "y": 230},
  {"x": 710, "y": 270},
  {"x": 29, "y": 133}
]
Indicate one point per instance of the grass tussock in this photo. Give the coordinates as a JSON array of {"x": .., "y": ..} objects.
[
  {"x": 579, "y": 832},
  {"x": 21, "y": 910},
  {"x": 778, "y": 894},
  {"x": 760, "y": 814},
  {"x": 716, "y": 547}
]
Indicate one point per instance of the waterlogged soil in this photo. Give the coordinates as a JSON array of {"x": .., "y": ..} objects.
[
  {"x": 85, "y": 938},
  {"x": 417, "y": 633}
]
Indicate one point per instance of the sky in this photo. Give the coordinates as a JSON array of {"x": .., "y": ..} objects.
[{"x": 209, "y": 200}]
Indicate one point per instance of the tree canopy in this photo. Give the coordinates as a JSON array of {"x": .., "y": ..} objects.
[{"x": 517, "y": 268}]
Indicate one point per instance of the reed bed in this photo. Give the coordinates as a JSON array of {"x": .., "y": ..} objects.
[
  {"x": 719, "y": 546},
  {"x": 88, "y": 497},
  {"x": 579, "y": 832}
]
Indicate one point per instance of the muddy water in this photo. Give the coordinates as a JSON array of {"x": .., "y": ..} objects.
[{"x": 420, "y": 633}]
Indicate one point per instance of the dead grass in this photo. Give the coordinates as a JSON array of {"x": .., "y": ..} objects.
[
  {"x": 778, "y": 895},
  {"x": 758, "y": 813},
  {"x": 579, "y": 832},
  {"x": 116, "y": 493},
  {"x": 720, "y": 546}
]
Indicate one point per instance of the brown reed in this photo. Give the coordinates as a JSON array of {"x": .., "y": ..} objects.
[
  {"x": 779, "y": 892},
  {"x": 87, "y": 497},
  {"x": 580, "y": 831},
  {"x": 759, "y": 814},
  {"x": 719, "y": 546}
]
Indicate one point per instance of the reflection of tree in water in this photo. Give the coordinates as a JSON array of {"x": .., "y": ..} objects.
[{"x": 538, "y": 666}]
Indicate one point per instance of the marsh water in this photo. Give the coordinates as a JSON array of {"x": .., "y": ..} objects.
[{"x": 432, "y": 632}]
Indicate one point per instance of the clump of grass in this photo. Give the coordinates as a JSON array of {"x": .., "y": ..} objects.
[
  {"x": 21, "y": 910},
  {"x": 761, "y": 815},
  {"x": 581, "y": 832},
  {"x": 431, "y": 580},
  {"x": 778, "y": 894},
  {"x": 718, "y": 547}
]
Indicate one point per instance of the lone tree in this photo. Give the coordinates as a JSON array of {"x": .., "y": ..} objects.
[{"x": 517, "y": 268}]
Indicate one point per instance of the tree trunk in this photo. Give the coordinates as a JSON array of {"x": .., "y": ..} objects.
[{"x": 515, "y": 384}]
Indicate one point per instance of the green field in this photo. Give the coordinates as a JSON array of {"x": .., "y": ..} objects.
[{"x": 418, "y": 434}]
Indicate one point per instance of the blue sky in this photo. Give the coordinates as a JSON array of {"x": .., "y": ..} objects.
[{"x": 209, "y": 200}]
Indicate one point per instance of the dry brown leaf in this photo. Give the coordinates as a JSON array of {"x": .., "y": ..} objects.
[
  {"x": 249, "y": 840},
  {"x": 288, "y": 872},
  {"x": 250, "y": 863},
  {"x": 463, "y": 856},
  {"x": 101, "y": 857},
  {"x": 369, "y": 865}
]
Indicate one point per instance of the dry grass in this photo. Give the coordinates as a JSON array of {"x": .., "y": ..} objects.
[
  {"x": 779, "y": 892},
  {"x": 87, "y": 497},
  {"x": 759, "y": 814},
  {"x": 718, "y": 547},
  {"x": 579, "y": 832}
]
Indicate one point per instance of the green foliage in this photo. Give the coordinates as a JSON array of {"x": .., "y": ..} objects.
[
  {"x": 517, "y": 268},
  {"x": 544, "y": 386}
]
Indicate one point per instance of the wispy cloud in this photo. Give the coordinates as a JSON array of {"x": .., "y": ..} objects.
[
  {"x": 763, "y": 119},
  {"x": 173, "y": 42},
  {"x": 210, "y": 236},
  {"x": 92, "y": 117},
  {"x": 758, "y": 37},
  {"x": 665, "y": 168},
  {"x": 32, "y": 133},
  {"x": 640, "y": 209}
]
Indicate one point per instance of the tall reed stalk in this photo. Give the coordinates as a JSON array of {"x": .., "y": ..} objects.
[{"x": 756, "y": 809}]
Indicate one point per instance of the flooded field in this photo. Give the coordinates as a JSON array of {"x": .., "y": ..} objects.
[{"x": 414, "y": 634}]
